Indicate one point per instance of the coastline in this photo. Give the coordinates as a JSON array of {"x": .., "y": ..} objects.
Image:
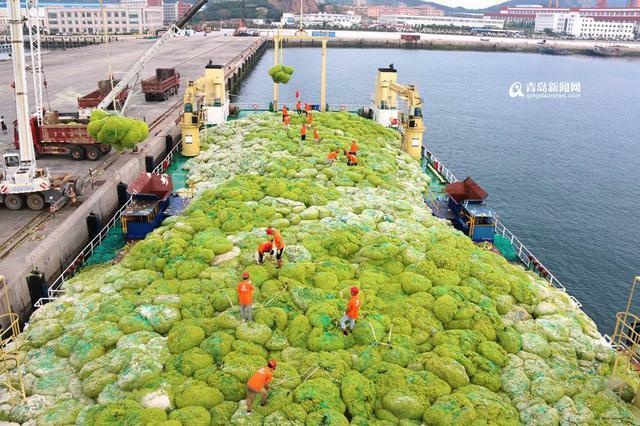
[{"x": 374, "y": 39}]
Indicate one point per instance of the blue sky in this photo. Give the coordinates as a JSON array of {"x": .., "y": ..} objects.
[{"x": 470, "y": 4}]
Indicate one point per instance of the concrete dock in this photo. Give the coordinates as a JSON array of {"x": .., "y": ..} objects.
[{"x": 37, "y": 239}]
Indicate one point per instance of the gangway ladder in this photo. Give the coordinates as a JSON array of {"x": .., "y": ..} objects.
[
  {"x": 10, "y": 369},
  {"x": 625, "y": 340}
]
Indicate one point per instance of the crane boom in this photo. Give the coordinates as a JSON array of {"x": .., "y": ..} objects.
[
  {"x": 27, "y": 155},
  {"x": 149, "y": 54}
]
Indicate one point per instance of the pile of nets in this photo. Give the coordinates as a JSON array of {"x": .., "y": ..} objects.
[
  {"x": 449, "y": 334},
  {"x": 116, "y": 130},
  {"x": 281, "y": 73}
]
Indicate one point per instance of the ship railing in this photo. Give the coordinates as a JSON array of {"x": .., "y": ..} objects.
[
  {"x": 252, "y": 106},
  {"x": 55, "y": 290},
  {"x": 524, "y": 254}
]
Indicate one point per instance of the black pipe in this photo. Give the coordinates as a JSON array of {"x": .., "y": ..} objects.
[
  {"x": 94, "y": 224},
  {"x": 123, "y": 196},
  {"x": 148, "y": 163},
  {"x": 38, "y": 288}
]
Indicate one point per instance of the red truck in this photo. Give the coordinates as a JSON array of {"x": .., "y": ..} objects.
[
  {"x": 162, "y": 85},
  {"x": 90, "y": 101},
  {"x": 63, "y": 134}
]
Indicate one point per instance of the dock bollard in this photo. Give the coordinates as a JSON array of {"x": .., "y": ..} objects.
[
  {"x": 94, "y": 224},
  {"x": 168, "y": 144},
  {"x": 38, "y": 288},
  {"x": 122, "y": 194},
  {"x": 148, "y": 163}
]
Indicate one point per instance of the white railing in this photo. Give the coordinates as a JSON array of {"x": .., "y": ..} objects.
[
  {"x": 524, "y": 254},
  {"x": 252, "y": 106},
  {"x": 55, "y": 289}
]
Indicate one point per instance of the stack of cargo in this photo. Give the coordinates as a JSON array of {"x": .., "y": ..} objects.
[{"x": 449, "y": 334}]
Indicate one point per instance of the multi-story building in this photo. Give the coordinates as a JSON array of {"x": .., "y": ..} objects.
[
  {"x": 425, "y": 10},
  {"x": 118, "y": 19},
  {"x": 579, "y": 26},
  {"x": 453, "y": 21},
  {"x": 174, "y": 10},
  {"x": 4, "y": 20},
  {"x": 526, "y": 15},
  {"x": 346, "y": 20}
]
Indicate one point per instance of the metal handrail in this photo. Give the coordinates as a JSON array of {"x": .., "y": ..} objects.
[
  {"x": 524, "y": 254},
  {"x": 55, "y": 290}
]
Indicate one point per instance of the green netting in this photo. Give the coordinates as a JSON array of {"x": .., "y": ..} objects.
[
  {"x": 506, "y": 248},
  {"x": 109, "y": 248}
]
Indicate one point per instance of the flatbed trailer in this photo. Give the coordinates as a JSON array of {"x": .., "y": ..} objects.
[{"x": 162, "y": 85}]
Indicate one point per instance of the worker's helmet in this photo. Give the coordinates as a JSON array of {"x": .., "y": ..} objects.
[
  {"x": 272, "y": 364},
  {"x": 245, "y": 275},
  {"x": 269, "y": 231},
  {"x": 355, "y": 290}
]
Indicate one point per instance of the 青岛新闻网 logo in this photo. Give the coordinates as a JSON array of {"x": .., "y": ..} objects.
[{"x": 515, "y": 91}]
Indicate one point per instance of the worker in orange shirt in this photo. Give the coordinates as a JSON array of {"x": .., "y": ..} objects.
[
  {"x": 351, "y": 314},
  {"x": 299, "y": 107},
  {"x": 287, "y": 121},
  {"x": 285, "y": 112},
  {"x": 352, "y": 160},
  {"x": 333, "y": 156},
  {"x": 245, "y": 290},
  {"x": 353, "y": 149},
  {"x": 279, "y": 243},
  {"x": 309, "y": 119},
  {"x": 316, "y": 135},
  {"x": 259, "y": 384},
  {"x": 264, "y": 249},
  {"x": 303, "y": 133},
  {"x": 307, "y": 108}
]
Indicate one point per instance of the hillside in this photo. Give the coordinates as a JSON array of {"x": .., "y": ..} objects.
[{"x": 448, "y": 334}]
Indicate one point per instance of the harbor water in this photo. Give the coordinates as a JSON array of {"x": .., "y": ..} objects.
[{"x": 560, "y": 164}]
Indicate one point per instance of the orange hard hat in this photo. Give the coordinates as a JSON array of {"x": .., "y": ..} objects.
[
  {"x": 269, "y": 231},
  {"x": 272, "y": 364},
  {"x": 245, "y": 275},
  {"x": 355, "y": 290}
]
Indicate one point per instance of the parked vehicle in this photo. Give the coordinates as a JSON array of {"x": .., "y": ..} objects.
[
  {"x": 162, "y": 85},
  {"x": 64, "y": 134},
  {"x": 90, "y": 101}
]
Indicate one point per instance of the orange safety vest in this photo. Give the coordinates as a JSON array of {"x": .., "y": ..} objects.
[
  {"x": 265, "y": 247},
  {"x": 303, "y": 131},
  {"x": 315, "y": 134},
  {"x": 287, "y": 119},
  {"x": 332, "y": 155},
  {"x": 245, "y": 289},
  {"x": 259, "y": 379},
  {"x": 354, "y": 147},
  {"x": 307, "y": 107},
  {"x": 284, "y": 111},
  {"x": 353, "y": 307},
  {"x": 277, "y": 239},
  {"x": 298, "y": 105},
  {"x": 310, "y": 118}
]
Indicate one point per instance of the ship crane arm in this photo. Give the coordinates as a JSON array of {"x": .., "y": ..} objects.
[{"x": 137, "y": 68}]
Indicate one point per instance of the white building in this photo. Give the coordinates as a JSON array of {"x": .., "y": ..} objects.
[
  {"x": 579, "y": 26},
  {"x": 454, "y": 21},
  {"x": 119, "y": 19},
  {"x": 347, "y": 20}
]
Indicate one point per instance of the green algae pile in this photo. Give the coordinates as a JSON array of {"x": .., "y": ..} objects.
[{"x": 449, "y": 334}]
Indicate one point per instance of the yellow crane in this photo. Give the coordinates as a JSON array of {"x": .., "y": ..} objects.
[
  {"x": 385, "y": 109},
  {"x": 205, "y": 103}
]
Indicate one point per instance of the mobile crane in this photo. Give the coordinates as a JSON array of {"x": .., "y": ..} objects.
[
  {"x": 22, "y": 180},
  {"x": 385, "y": 109}
]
